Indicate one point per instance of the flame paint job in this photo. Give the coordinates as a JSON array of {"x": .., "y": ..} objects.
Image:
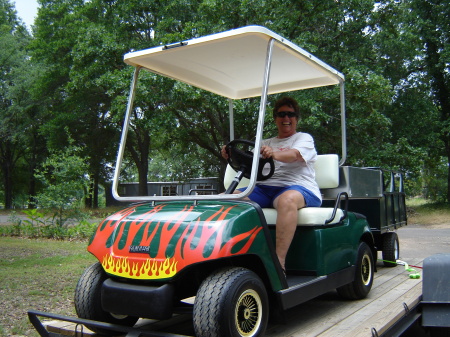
[{"x": 156, "y": 242}]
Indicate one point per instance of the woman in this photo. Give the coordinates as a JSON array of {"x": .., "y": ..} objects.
[{"x": 293, "y": 184}]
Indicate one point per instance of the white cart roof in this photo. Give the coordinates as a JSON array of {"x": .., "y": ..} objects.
[{"x": 232, "y": 63}]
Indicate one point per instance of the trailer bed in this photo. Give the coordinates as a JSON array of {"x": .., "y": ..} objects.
[{"x": 393, "y": 296}]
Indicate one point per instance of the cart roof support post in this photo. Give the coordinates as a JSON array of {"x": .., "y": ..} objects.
[
  {"x": 123, "y": 140},
  {"x": 262, "y": 113},
  {"x": 343, "y": 128},
  {"x": 231, "y": 113}
]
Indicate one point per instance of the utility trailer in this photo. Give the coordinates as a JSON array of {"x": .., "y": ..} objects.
[{"x": 219, "y": 249}]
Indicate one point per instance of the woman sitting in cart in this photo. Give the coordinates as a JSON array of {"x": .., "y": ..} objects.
[{"x": 293, "y": 184}]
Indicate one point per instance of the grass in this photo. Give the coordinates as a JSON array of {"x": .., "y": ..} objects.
[
  {"x": 37, "y": 274},
  {"x": 421, "y": 211}
]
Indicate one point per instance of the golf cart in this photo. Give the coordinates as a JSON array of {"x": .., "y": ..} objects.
[{"x": 218, "y": 250}]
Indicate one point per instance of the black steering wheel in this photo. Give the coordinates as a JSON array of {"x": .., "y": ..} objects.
[{"x": 240, "y": 158}]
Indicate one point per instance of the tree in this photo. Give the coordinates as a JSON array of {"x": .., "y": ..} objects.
[
  {"x": 88, "y": 80},
  {"x": 434, "y": 32},
  {"x": 413, "y": 49},
  {"x": 13, "y": 103},
  {"x": 81, "y": 57}
]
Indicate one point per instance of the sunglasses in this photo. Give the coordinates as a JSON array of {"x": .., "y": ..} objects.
[{"x": 282, "y": 114}]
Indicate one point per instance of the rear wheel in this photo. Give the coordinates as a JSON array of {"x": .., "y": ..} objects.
[
  {"x": 231, "y": 302},
  {"x": 362, "y": 284},
  {"x": 88, "y": 300},
  {"x": 391, "y": 249}
]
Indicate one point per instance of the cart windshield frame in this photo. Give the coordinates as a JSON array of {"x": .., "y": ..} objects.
[{"x": 241, "y": 63}]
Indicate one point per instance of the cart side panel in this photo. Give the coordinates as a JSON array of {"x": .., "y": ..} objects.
[{"x": 325, "y": 249}]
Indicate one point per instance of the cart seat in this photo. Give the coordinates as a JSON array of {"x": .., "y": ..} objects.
[
  {"x": 308, "y": 216},
  {"x": 327, "y": 176}
]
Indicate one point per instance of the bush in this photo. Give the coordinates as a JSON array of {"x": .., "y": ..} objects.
[
  {"x": 65, "y": 181},
  {"x": 39, "y": 225}
]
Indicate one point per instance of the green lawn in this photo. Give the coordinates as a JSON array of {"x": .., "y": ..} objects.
[
  {"x": 427, "y": 213},
  {"x": 37, "y": 274}
]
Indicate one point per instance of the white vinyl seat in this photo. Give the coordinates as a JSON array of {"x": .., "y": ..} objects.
[
  {"x": 308, "y": 216},
  {"x": 327, "y": 176}
]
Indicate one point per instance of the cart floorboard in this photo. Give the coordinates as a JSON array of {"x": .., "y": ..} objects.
[{"x": 328, "y": 315}]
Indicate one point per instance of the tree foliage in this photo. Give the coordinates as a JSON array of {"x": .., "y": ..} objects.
[
  {"x": 17, "y": 108},
  {"x": 70, "y": 74}
]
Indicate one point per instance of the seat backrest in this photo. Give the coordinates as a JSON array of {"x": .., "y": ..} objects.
[{"x": 326, "y": 168}]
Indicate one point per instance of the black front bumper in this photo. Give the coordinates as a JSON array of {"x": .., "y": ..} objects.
[{"x": 138, "y": 300}]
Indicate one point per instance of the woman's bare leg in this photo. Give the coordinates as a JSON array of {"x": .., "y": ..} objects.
[{"x": 287, "y": 205}]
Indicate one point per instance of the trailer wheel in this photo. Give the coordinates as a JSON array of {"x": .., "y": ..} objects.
[
  {"x": 391, "y": 249},
  {"x": 231, "y": 302},
  {"x": 88, "y": 301},
  {"x": 362, "y": 284}
]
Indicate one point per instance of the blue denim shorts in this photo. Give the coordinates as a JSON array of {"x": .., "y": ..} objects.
[{"x": 264, "y": 195}]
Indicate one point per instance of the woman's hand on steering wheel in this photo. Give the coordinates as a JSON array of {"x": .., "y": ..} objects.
[{"x": 242, "y": 159}]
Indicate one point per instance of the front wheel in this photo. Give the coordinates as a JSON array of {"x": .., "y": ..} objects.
[
  {"x": 88, "y": 300},
  {"x": 362, "y": 283},
  {"x": 232, "y": 302}
]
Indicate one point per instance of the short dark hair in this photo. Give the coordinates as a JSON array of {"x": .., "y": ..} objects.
[{"x": 290, "y": 102}]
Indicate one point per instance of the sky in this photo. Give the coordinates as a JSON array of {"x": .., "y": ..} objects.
[{"x": 26, "y": 10}]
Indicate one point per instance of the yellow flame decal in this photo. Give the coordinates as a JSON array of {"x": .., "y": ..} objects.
[{"x": 148, "y": 269}]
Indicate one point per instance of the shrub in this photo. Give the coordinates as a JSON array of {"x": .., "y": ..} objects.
[{"x": 64, "y": 177}]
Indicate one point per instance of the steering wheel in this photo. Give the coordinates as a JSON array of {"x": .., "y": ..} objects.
[{"x": 240, "y": 158}]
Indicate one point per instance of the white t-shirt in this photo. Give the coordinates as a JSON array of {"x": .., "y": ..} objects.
[{"x": 296, "y": 173}]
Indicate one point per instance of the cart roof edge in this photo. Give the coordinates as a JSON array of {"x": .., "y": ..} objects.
[{"x": 234, "y": 68}]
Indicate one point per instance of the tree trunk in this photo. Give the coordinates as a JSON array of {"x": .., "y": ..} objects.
[
  {"x": 95, "y": 191},
  {"x": 7, "y": 164},
  {"x": 32, "y": 191},
  {"x": 8, "y": 186},
  {"x": 448, "y": 172},
  {"x": 141, "y": 158}
]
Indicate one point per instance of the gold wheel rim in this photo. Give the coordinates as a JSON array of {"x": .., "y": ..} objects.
[{"x": 248, "y": 313}]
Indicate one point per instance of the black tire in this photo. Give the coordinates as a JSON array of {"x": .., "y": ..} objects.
[
  {"x": 362, "y": 284},
  {"x": 390, "y": 249},
  {"x": 88, "y": 300},
  {"x": 231, "y": 302}
]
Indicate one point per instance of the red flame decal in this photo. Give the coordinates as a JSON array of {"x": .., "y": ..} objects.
[{"x": 175, "y": 242}]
